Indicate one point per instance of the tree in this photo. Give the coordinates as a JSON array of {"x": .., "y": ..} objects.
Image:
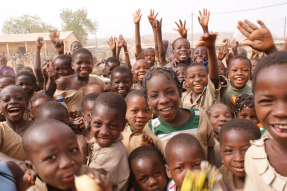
[
  {"x": 78, "y": 22},
  {"x": 25, "y": 24}
]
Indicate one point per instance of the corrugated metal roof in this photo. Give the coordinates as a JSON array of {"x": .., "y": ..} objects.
[{"x": 30, "y": 37}]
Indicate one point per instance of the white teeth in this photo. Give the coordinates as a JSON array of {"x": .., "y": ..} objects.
[
  {"x": 14, "y": 109},
  {"x": 166, "y": 109},
  {"x": 104, "y": 140},
  {"x": 281, "y": 126}
]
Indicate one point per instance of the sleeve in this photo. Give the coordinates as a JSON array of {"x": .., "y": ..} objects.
[
  {"x": 249, "y": 182},
  {"x": 156, "y": 141},
  {"x": 209, "y": 130}
]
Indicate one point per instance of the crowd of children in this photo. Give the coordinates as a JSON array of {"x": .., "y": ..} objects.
[{"x": 142, "y": 126}]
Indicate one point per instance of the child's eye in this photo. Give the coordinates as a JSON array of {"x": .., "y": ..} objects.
[
  {"x": 170, "y": 92},
  {"x": 74, "y": 150},
  {"x": 153, "y": 95},
  {"x": 52, "y": 157},
  {"x": 143, "y": 179},
  {"x": 265, "y": 101},
  {"x": 228, "y": 151},
  {"x": 179, "y": 168},
  {"x": 156, "y": 173},
  {"x": 134, "y": 111},
  {"x": 216, "y": 116},
  {"x": 114, "y": 126},
  {"x": 196, "y": 165},
  {"x": 97, "y": 123},
  {"x": 147, "y": 110}
]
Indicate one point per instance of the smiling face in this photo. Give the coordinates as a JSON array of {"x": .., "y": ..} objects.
[
  {"x": 27, "y": 83},
  {"x": 181, "y": 160},
  {"x": 221, "y": 68},
  {"x": 163, "y": 97},
  {"x": 6, "y": 81},
  {"x": 239, "y": 73},
  {"x": 75, "y": 46},
  {"x": 56, "y": 157},
  {"x": 270, "y": 101},
  {"x": 121, "y": 83},
  {"x": 196, "y": 78},
  {"x": 83, "y": 65},
  {"x": 149, "y": 56},
  {"x": 181, "y": 73},
  {"x": 138, "y": 112},
  {"x": 141, "y": 67},
  {"x": 181, "y": 50},
  {"x": 107, "y": 124},
  {"x": 234, "y": 145},
  {"x": 13, "y": 103},
  {"x": 112, "y": 66},
  {"x": 248, "y": 113},
  {"x": 200, "y": 53},
  {"x": 63, "y": 67},
  {"x": 149, "y": 174}
]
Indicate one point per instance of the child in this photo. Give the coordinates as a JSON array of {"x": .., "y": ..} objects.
[
  {"x": 200, "y": 54},
  {"x": 109, "y": 153},
  {"x": 37, "y": 101},
  {"x": 147, "y": 169},
  {"x": 221, "y": 68},
  {"x": 162, "y": 90},
  {"x": 53, "y": 154},
  {"x": 219, "y": 114},
  {"x": 27, "y": 69},
  {"x": 140, "y": 68},
  {"x": 205, "y": 89},
  {"x": 183, "y": 152},
  {"x": 63, "y": 65},
  {"x": 4, "y": 67},
  {"x": 92, "y": 88},
  {"x": 27, "y": 81},
  {"x": 234, "y": 137},
  {"x": 75, "y": 46},
  {"x": 6, "y": 80},
  {"x": 245, "y": 108},
  {"x": 180, "y": 69},
  {"x": 138, "y": 114},
  {"x": 254, "y": 63},
  {"x": 18, "y": 68},
  {"x": 121, "y": 80},
  {"x": 239, "y": 72},
  {"x": 70, "y": 87},
  {"x": 110, "y": 64},
  {"x": 181, "y": 52}
]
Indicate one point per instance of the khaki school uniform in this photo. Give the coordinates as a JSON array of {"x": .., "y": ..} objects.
[
  {"x": 203, "y": 131},
  {"x": 260, "y": 175},
  {"x": 113, "y": 161},
  {"x": 42, "y": 186},
  {"x": 11, "y": 143},
  {"x": 208, "y": 97},
  {"x": 218, "y": 156},
  {"x": 135, "y": 87},
  {"x": 73, "y": 98},
  {"x": 131, "y": 140},
  {"x": 227, "y": 177}
]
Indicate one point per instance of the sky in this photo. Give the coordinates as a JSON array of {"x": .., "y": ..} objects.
[{"x": 115, "y": 17}]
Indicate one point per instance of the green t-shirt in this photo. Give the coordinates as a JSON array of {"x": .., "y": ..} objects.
[{"x": 231, "y": 91}]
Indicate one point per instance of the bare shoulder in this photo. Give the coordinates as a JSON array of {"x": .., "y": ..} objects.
[{"x": 64, "y": 81}]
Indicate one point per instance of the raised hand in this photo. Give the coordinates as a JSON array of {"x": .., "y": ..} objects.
[
  {"x": 137, "y": 16},
  {"x": 181, "y": 29},
  {"x": 40, "y": 42},
  {"x": 157, "y": 24},
  {"x": 152, "y": 17},
  {"x": 229, "y": 56},
  {"x": 258, "y": 38},
  {"x": 203, "y": 19},
  {"x": 208, "y": 39},
  {"x": 120, "y": 41},
  {"x": 54, "y": 36},
  {"x": 112, "y": 43},
  {"x": 50, "y": 71},
  {"x": 222, "y": 51}
]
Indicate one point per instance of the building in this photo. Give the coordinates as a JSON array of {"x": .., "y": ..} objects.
[{"x": 22, "y": 43}]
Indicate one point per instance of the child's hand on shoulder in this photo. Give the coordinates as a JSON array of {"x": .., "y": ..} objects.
[
  {"x": 181, "y": 29},
  {"x": 146, "y": 141},
  {"x": 112, "y": 43},
  {"x": 208, "y": 39},
  {"x": 152, "y": 17},
  {"x": 137, "y": 16},
  {"x": 157, "y": 25}
]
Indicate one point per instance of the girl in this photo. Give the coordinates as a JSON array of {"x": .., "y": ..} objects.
[
  {"x": 27, "y": 81},
  {"x": 141, "y": 67}
]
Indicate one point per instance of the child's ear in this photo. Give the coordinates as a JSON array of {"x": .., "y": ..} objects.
[
  {"x": 227, "y": 73},
  {"x": 31, "y": 174},
  {"x": 167, "y": 171}
]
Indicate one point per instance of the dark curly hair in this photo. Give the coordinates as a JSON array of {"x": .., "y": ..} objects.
[{"x": 243, "y": 100}]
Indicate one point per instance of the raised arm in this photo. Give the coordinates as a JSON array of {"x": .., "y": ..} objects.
[
  {"x": 112, "y": 45},
  {"x": 203, "y": 20},
  {"x": 119, "y": 44},
  {"x": 37, "y": 61},
  {"x": 137, "y": 17},
  {"x": 157, "y": 27},
  {"x": 208, "y": 40},
  {"x": 55, "y": 38},
  {"x": 181, "y": 29},
  {"x": 127, "y": 57},
  {"x": 51, "y": 77},
  {"x": 151, "y": 19}
]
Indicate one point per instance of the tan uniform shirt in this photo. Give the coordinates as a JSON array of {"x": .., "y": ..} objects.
[
  {"x": 113, "y": 161},
  {"x": 11, "y": 143},
  {"x": 132, "y": 140},
  {"x": 208, "y": 97},
  {"x": 228, "y": 179},
  {"x": 260, "y": 175},
  {"x": 73, "y": 98},
  {"x": 218, "y": 156}
]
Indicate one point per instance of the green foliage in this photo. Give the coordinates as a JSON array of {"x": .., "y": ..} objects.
[
  {"x": 25, "y": 24},
  {"x": 78, "y": 22}
]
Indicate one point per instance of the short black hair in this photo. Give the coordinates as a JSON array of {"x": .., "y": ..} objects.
[
  {"x": 75, "y": 42},
  {"x": 91, "y": 84},
  {"x": 167, "y": 72},
  {"x": 25, "y": 73},
  {"x": 181, "y": 65},
  {"x": 182, "y": 139},
  {"x": 196, "y": 64},
  {"x": 143, "y": 60},
  {"x": 239, "y": 57},
  {"x": 114, "y": 101},
  {"x": 89, "y": 97},
  {"x": 149, "y": 49},
  {"x": 244, "y": 100},
  {"x": 240, "y": 124},
  {"x": 39, "y": 96},
  {"x": 276, "y": 58},
  {"x": 133, "y": 93},
  {"x": 22, "y": 65},
  {"x": 180, "y": 38},
  {"x": 66, "y": 57},
  {"x": 113, "y": 60},
  {"x": 243, "y": 50},
  {"x": 122, "y": 70},
  {"x": 199, "y": 47},
  {"x": 27, "y": 69},
  {"x": 50, "y": 106},
  {"x": 79, "y": 51},
  {"x": 8, "y": 76}
]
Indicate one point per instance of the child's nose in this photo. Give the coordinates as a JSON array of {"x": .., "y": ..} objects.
[
  {"x": 65, "y": 162},
  {"x": 152, "y": 181},
  {"x": 104, "y": 131},
  {"x": 280, "y": 109},
  {"x": 239, "y": 156}
]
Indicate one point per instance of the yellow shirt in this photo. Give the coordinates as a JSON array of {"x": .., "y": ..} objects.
[{"x": 131, "y": 140}]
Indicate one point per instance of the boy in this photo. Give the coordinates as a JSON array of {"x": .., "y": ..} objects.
[
  {"x": 92, "y": 88},
  {"x": 121, "y": 80},
  {"x": 138, "y": 114},
  {"x": 110, "y": 64},
  {"x": 109, "y": 154},
  {"x": 63, "y": 65},
  {"x": 239, "y": 73}
]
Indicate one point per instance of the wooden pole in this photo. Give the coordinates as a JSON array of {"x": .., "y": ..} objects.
[
  {"x": 191, "y": 30},
  {"x": 285, "y": 29}
]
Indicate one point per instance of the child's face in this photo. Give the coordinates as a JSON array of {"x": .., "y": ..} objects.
[
  {"x": 233, "y": 148},
  {"x": 149, "y": 174},
  {"x": 112, "y": 66},
  {"x": 121, "y": 83},
  {"x": 88, "y": 108},
  {"x": 181, "y": 73},
  {"x": 27, "y": 83},
  {"x": 18, "y": 68},
  {"x": 248, "y": 113},
  {"x": 140, "y": 69},
  {"x": 107, "y": 125},
  {"x": 196, "y": 78},
  {"x": 221, "y": 68},
  {"x": 181, "y": 50},
  {"x": 239, "y": 73},
  {"x": 270, "y": 101},
  {"x": 83, "y": 65},
  {"x": 163, "y": 97},
  {"x": 254, "y": 64},
  {"x": 181, "y": 160},
  {"x": 3, "y": 61},
  {"x": 13, "y": 103},
  {"x": 76, "y": 46},
  {"x": 219, "y": 115},
  {"x": 200, "y": 52},
  {"x": 6, "y": 81},
  {"x": 57, "y": 115},
  {"x": 56, "y": 159},
  {"x": 149, "y": 56},
  {"x": 37, "y": 104},
  {"x": 138, "y": 112},
  {"x": 62, "y": 67}
]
